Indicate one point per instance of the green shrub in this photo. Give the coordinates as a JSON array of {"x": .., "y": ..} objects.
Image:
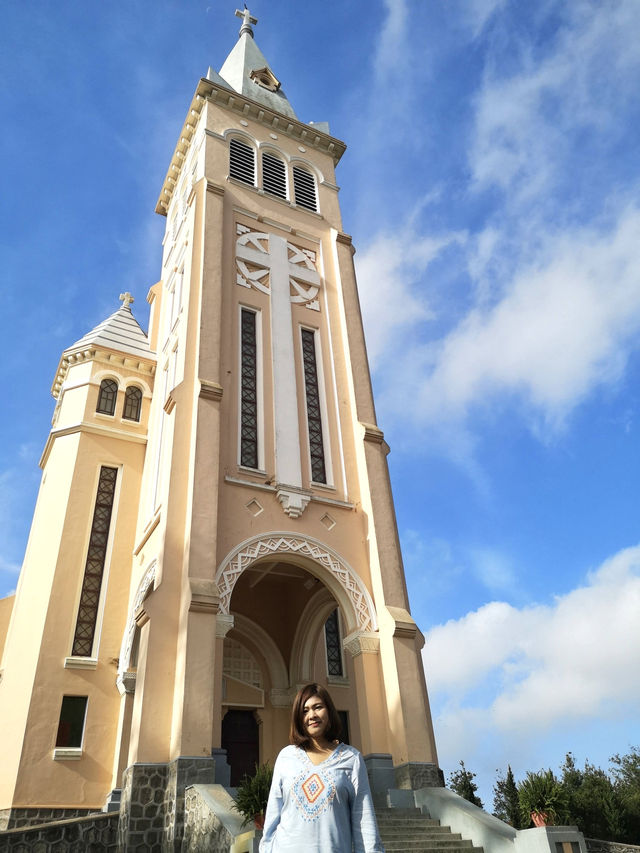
[
  {"x": 542, "y": 793},
  {"x": 253, "y": 792}
]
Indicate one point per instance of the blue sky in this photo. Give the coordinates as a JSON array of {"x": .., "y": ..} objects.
[{"x": 491, "y": 187}]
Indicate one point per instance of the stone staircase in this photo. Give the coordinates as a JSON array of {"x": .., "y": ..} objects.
[{"x": 409, "y": 830}]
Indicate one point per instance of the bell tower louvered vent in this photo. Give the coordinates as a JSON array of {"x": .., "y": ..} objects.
[
  {"x": 242, "y": 162},
  {"x": 274, "y": 175},
  {"x": 304, "y": 188}
]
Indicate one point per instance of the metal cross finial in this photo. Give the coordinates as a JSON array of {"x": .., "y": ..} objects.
[
  {"x": 126, "y": 299},
  {"x": 247, "y": 20}
]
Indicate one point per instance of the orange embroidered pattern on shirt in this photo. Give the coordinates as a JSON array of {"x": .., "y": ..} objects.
[{"x": 313, "y": 787}]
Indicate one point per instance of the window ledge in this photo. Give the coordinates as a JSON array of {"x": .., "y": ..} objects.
[
  {"x": 67, "y": 753},
  {"x": 80, "y": 663},
  {"x": 338, "y": 680}
]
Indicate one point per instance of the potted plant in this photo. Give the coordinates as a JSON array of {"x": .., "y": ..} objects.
[
  {"x": 542, "y": 799},
  {"x": 252, "y": 794}
]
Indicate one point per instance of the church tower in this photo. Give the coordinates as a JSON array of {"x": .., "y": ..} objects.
[{"x": 245, "y": 540}]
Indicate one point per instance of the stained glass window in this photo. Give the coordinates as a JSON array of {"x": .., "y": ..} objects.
[
  {"x": 94, "y": 566},
  {"x": 107, "y": 397},
  {"x": 248, "y": 390},
  {"x": 332, "y": 640},
  {"x": 314, "y": 420}
]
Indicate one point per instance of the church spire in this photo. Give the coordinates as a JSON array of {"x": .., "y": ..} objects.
[
  {"x": 247, "y": 71},
  {"x": 247, "y": 21}
]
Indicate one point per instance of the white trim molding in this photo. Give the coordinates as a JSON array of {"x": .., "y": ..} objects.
[{"x": 320, "y": 560}]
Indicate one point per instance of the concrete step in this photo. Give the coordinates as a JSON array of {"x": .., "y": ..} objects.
[
  {"x": 436, "y": 843},
  {"x": 419, "y": 826},
  {"x": 437, "y": 839},
  {"x": 402, "y": 847},
  {"x": 409, "y": 830}
]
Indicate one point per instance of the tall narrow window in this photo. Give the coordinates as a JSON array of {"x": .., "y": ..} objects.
[
  {"x": 248, "y": 390},
  {"x": 304, "y": 189},
  {"x": 71, "y": 724},
  {"x": 314, "y": 420},
  {"x": 94, "y": 566},
  {"x": 332, "y": 642},
  {"x": 107, "y": 397},
  {"x": 274, "y": 175},
  {"x": 242, "y": 162},
  {"x": 132, "y": 403}
]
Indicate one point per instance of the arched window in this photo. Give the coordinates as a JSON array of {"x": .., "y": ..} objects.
[
  {"x": 132, "y": 403},
  {"x": 242, "y": 162},
  {"x": 107, "y": 397},
  {"x": 304, "y": 189},
  {"x": 274, "y": 175}
]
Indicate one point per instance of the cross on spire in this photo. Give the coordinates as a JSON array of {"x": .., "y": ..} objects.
[
  {"x": 247, "y": 20},
  {"x": 126, "y": 299}
]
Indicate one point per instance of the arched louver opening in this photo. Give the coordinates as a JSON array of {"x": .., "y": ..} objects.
[
  {"x": 107, "y": 397},
  {"x": 242, "y": 162},
  {"x": 304, "y": 188},
  {"x": 274, "y": 175},
  {"x": 132, "y": 403}
]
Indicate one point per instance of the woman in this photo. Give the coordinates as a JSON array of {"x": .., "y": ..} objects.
[{"x": 320, "y": 801}]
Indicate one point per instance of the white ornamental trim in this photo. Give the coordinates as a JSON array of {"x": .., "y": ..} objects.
[
  {"x": 251, "y": 550},
  {"x": 127, "y": 641}
]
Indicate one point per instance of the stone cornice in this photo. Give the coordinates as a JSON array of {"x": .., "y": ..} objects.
[
  {"x": 95, "y": 429},
  {"x": 362, "y": 642},
  {"x": 372, "y": 433},
  {"x": 210, "y": 390},
  {"x": 137, "y": 364},
  {"x": 204, "y": 596},
  {"x": 207, "y": 90}
]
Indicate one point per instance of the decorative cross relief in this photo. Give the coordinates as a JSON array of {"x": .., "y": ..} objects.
[
  {"x": 288, "y": 275},
  {"x": 254, "y": 267}
]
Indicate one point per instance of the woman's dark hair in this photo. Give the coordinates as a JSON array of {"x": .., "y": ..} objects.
[{"x": 297, "y": 734}]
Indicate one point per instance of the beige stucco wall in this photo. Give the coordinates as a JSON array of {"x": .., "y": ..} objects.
[{"x": 6, "y": 607}]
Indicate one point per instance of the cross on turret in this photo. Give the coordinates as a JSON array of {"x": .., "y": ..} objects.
[
  {"x": 247, "y": 20},
  {"x": 126, "y": 299}
]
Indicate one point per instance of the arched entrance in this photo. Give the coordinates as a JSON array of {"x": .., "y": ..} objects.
[{"x": 281, "y": 591}]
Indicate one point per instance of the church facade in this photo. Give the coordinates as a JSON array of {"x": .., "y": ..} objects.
[{"x": 215, "y": 525}]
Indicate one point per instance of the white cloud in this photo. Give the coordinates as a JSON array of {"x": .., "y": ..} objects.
[
  {"x": 391, "y": 51},
  {"x": 388, "y": 271},
  {"x": 527, "y": 123},
  {"x": 514, "y": 670},
  {"x": 563, "y": 325}
]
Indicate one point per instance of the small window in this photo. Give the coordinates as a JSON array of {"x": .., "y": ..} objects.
[
  {"x": 304, "y": 188},
  {"x": 274, "y": 175},
  {"x": 132, "y": 403},
  {"x": 107, "y": 397},
  {"x": 333, "y": 644},
  {"x": 242, "y": 162},
  {"x": 71, "y": 725}
]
